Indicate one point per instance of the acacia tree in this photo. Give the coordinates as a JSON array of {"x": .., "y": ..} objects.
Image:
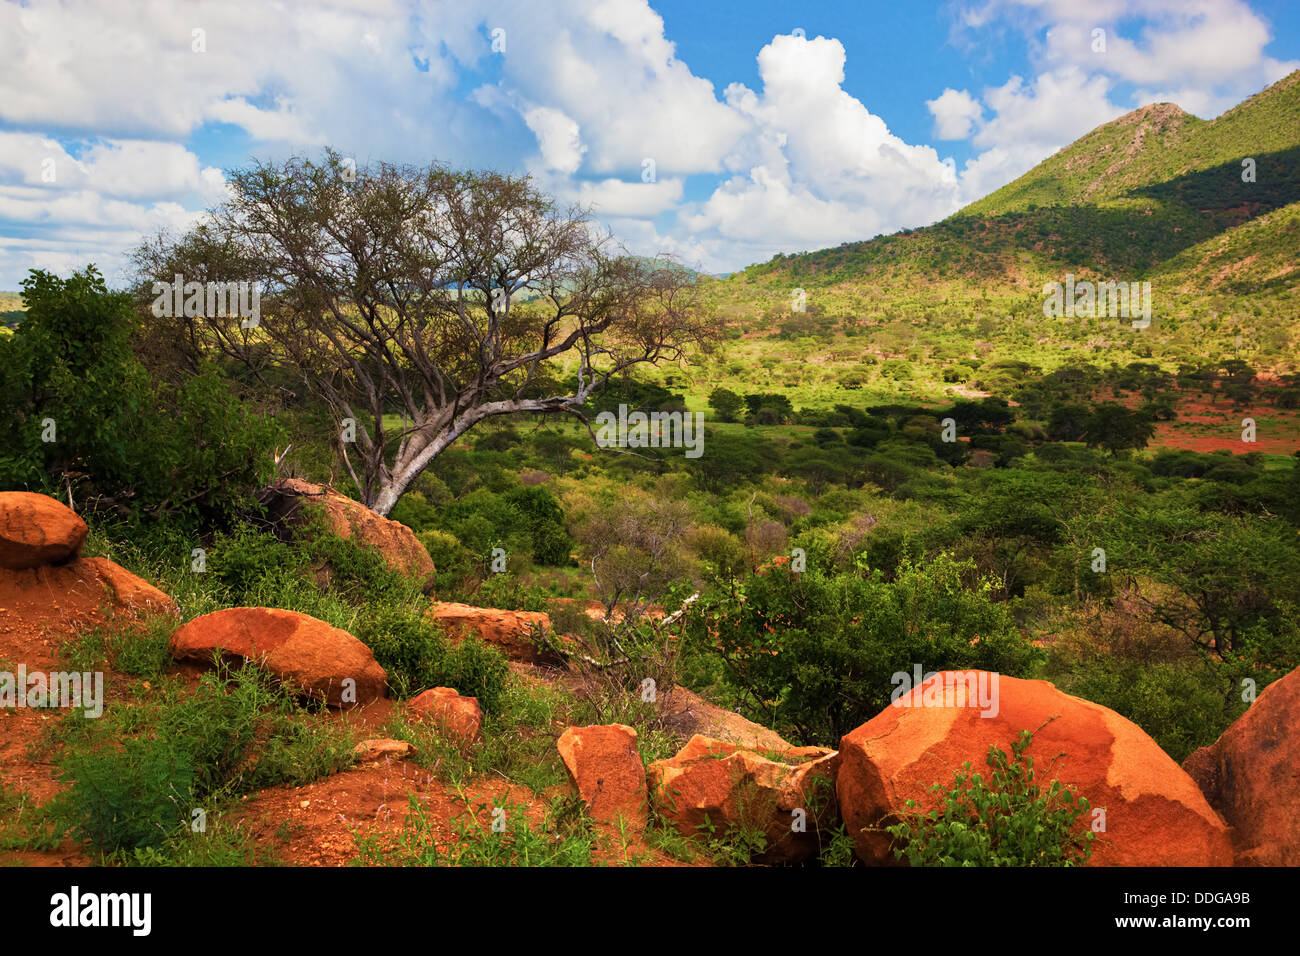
[{"x": 439, "y": 297}]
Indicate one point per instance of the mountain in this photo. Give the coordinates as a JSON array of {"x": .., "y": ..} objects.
[{"x": 1156, "y": 192}]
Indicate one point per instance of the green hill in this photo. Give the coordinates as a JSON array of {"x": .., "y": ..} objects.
[{"x": 1146, "y": 193}]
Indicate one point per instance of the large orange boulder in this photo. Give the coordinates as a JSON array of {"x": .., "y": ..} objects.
[
  {"x": 511, "y": 631},
  {"x": 395, "y": 542},
  {"x": 36, "y": 530},
  {"x": 318, "y": 659},
  {"x": 1154, "y": 813},
  {"x": 605, "y": 767},
  {"x": 714, "y": 786},
  {"x": 1251, "y": 775},
  {"x": 456, "y": 716}
]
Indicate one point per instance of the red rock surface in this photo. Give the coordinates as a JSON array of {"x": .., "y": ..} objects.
[
  {"x": 511, "y": 631},
  {"x": 1251, "y": 775},
  {"x": 36, "y": 530},
  {"x": 383, "y": 748},
  {"x": 458, "y": 717},
  {"x": 300, "y": 650},
  {"x": 1155, "y": 814},
  {"x": 606, "y": 768},
  {"x": 712, "y": 782},
  {"x": 349, "y": 519}
]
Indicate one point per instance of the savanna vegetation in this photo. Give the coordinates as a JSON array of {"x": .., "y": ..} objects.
[{"x": 914, "y": 467}]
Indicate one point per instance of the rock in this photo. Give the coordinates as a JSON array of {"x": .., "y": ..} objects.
[
  {"x": 511, "y": 631},
  {"x": 458, "y": 717},
  {"x": 1155, "y": 815},
  {"x": 712, "y": 782},
  {"x": 311, "y": 655},
  {"x": 687, "y": 713},
  {"x": 128, "y": 592},
  {"x": 383, "y": 748},
  {"x": 606, "y": 768},
  {"x": 349, "y": 519},
  {"x": 1251, "y": 775},
  {"x": 37, "y": 530}
]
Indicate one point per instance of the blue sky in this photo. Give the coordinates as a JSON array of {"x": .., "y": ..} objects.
[{"x": 769, "y": 127}]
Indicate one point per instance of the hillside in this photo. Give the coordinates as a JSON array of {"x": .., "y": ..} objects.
[{"x": 1128, "y": 197}]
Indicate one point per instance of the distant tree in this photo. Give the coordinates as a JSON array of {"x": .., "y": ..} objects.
[
  {"x": 726, "y": 404},
  {"x": 1115, "y": 428},
  {"x": 1069, "y": 422}
]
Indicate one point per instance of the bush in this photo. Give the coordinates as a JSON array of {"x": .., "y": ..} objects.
[
  {"x": 236, "y": 732},
  {"x": 477, "y": 670},
  {"x": 1008, "y": 821},
  {"x": 815, "y": 654},
  {"x": 406, "y": 646},
  {"x": 189, "y": 450}
]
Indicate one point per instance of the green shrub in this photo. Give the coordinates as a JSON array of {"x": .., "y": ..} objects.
[
  {"x": 1010, "y": 820},
  {"x": 476, "y": 669},
  {"x": 189, "y": 450},
  {"x": 815, "y": 654},
  {"x": 405, "y": 645},
  {"x": 137, "y": 775}
]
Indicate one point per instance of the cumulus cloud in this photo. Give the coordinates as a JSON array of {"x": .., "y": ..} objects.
[
  {"x": 819, "y": 167},
  {"x": 583, "y": 94},
  {"x": 558, "y": 138},
  {"x": 955, "y": 112}
]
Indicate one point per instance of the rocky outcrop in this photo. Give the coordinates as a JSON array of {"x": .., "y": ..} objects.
[
  {"x": 687, "y": 713},
  {"x": 36, "y": 530},
  {"x": 787, "y": 796},
  {"x": 319, "y": 660},
  {"x": 511, "y": 631},
  {"x": 1251, "y": 775},
  {"x": 1154, "y": 813},
  {"x": 459, "y": 718},
  {"x": 45, "y": 586},
  {"x": 395, "y": 542},
  {"x": 606, "y": 768}
]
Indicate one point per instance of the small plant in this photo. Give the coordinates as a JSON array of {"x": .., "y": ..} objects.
[
  {"x": 1007, "y": 821},
  {"x": 137, "y": 648}
]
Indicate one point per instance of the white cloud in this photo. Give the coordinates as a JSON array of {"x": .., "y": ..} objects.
[
  {"x": 558, "y": 137},
  {"x": 619, "y": 199},
  {"x": 955, "y": 114},
  {"x": 580, "y": 95},
  {"x": 820, "y": 167}
]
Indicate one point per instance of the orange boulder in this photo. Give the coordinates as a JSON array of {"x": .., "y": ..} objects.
[
  {"x": 458, "y": 717},
  {"x": 36, "y": 530},
  {"x": 606, "y": 768},
  {"x": 395, "y": 542},
  {"x": 1154, "y": 813},
  {"x": 311, "y": 655},
  {"x": 511, "y": 631},
  {"x": 787, "y": 795},
  {"x": 1251, "y": 775}
]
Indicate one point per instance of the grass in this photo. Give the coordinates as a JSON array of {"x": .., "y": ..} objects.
[
  {"x": 486, "y": 834},
  {"x": 167, "y": 754}
]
